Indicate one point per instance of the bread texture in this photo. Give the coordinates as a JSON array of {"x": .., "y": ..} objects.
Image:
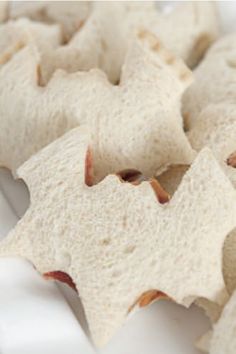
[
  {"x": 210, "y": 112},
  {"x": 129, "y": 128},
  {"x": 214, "y": 81},
  {"x": 216, "y": 128},
  {"x": 170, "y": 181},
  {"x": 14, "y": 35},
  {"x": 70, "y": 15},
  {"x": 100, "y": 237},
  {"x": 187, "y": 31},
  {"x": 212, "y": 122}
]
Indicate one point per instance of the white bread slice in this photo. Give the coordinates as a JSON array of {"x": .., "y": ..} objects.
[
  {"x": 216, "y": 128},
  {"x": 70, "y": 15},
  {"x": 130, "y": 128},
  {"x": 170, "y": 181},
  {"x": 187, "y": 31},
  {"x": 223, "y": 338},
  {"x": 212, "y": 119},
  {"x": 114, "y": 253},
  {"x": 223, "y": 45},
  {"x": 215, "y": 80},
  {"x": 93, "y": 46},
  {"x": 16, "y": 34}
]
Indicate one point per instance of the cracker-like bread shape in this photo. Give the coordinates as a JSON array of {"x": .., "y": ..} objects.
[
  {"x": 100, "y": 236},
  {"x": 70, "y": 15},
  {"x": 14, "y": 35},
  {"x": 170, "y": 181},
  {"x": 136, "y": 124},
  {"x": 215, "y": 80},
  {"x": 187, "y": 31},
  {"x": 211, "y": 117},
  {"x": 209, "y": 109},
  {"x": 216, "y": 128}
]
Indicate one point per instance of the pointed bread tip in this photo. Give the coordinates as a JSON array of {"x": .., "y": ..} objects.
[{"x": 179, "y": 67}]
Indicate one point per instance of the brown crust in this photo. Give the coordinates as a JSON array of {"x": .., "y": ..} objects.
[
  {"x": 89, "y": 168},
  {"x": 200, "y": 47},
  {"x": 39, "y": 76},
  {"x": 135, "y": 177},
  {"x": 153, "y": 41},
  {"x": 148, "y": 297},
  {"x": 162, "y": 196},
  {"x": 183, "y": 73},
  {"x": 62, "y": 277},
  {"x": 5, "y": 57}
]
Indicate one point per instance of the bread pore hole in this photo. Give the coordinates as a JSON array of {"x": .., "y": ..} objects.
[
  {"x": 129, "y": 249},
  {"x": 231, "y": 160},
  {"x": 131, "y": 176},
  {"x": 116, "y": 273},
  {"x": 105, "y": 241}
]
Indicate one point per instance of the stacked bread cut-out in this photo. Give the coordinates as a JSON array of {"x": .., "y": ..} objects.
[{"x": 129, "y": 157}]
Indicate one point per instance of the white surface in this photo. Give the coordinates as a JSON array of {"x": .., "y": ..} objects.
[{"x": 36, "y": 319}]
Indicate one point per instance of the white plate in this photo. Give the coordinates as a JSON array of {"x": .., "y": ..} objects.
[{"x": 40, "y": 317}]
